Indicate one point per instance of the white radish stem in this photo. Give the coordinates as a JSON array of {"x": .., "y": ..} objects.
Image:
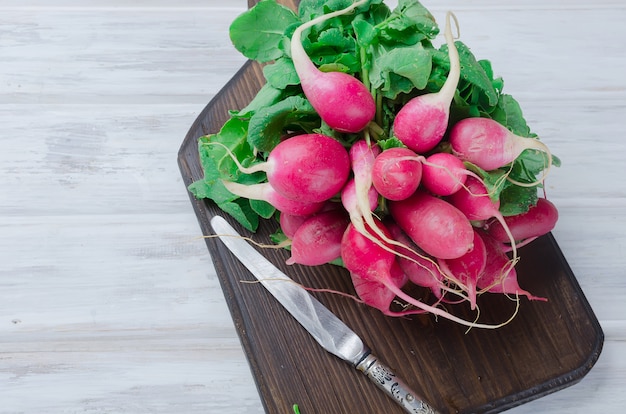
[
  {"x": 305, "y": 67},
  {"x": 447, "y": 91}
]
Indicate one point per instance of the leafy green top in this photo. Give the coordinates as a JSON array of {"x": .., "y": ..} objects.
[{"x": 392, "y": 52}]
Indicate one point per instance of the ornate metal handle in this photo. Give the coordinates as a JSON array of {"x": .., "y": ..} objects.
[{"x": 387, "y": 381}]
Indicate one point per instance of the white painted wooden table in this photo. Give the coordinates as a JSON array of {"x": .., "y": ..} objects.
[{"x": 108, "y": 299}]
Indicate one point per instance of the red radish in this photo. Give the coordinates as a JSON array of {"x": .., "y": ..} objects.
[
  {"x": 318, "y": 240},
  {"x": 489, "y": 144},
  {"x": 422, "y": 122},
  {"x": 359, "y": 202},
  {"x": 444, "y": 174},
  {"x": 467, "y": 269},
  {"x": 349, "y": 198},
  {"x": 474, "y": 201},
  {"x": 265, "y": 192},
  {"x": 420, "y": 270},
  {"x": 435, "y": 225},
  {"x": 289, "y": 223},
  {"x": 376, "y": 294},
  {"x": 374, "y": 265},
  {"x": 307, "y": 167},
  {"x": 362, "y": 157},
  {"x": 499, "y": 275},
  {"x": 537, "y": 221},
  {"x": 341, "y": 100},
  {"x": 396, "y": 173}
]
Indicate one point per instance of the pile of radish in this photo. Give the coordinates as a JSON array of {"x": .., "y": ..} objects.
[{"x": 379, "y": 152}]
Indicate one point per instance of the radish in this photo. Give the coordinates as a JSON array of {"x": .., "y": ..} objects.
[
  {"x": 466, "y": 270},
  {"x": 376, "y": 294},
  {"x": 490, "y": 145},
  {"x": 372, "y": 265},
  {"x": 396, "y": 173},
  {"x": 474, "y": 201},
  {"x": 349, "y": 198},
  {"x": 420, "y": 270},
  {"x": 358, "y": 201},
  {"x": 318, "y": 240},
  {"x": 307, "y": 167},
  {"x": 341, "y": 100},
  {"x": 289, "y": 223},
  {"x": 422, "y": 122},
  {"x": 436, "y": 226},
  {"x": 444, "y": 174},
  {"x": 537, "y": 221},
  {"x": 499, "y": 275},
  {"x": 265, "y": 192}
]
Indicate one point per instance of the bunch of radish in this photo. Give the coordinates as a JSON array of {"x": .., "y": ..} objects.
[{"x": 421, "y": 212}]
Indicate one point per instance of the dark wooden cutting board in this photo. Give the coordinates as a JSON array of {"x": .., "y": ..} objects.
[{"x": 548, "y": 346}]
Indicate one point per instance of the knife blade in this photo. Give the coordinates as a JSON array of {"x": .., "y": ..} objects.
[{"x": 327, "y": 329}]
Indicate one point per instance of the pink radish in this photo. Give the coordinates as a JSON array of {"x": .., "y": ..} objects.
[
  {"x": 372, "y": 266},
  {"x": 376, "y": 294},
  {"x": 435, "y": 225},
  {"x": 422, "y": 122},
  {"x": 358, "y": 196},
  {"x": 349, "y": 198},
  {"x": 318, "y": 240},
  {"x": 265, "y": 192},
  {"x": 341, "y": 100},
  {"x": 474, "y": 201},
  {"x": 307, "y": 167},
  {"x": 289, "y": 223},
  {"x": 467, "y": 269},
  {"x": 419, "y": 269},
  {"x": 537, "y": 221},
  {"x": 490, "y": 145},
  {"x": 444, "y": 174},
  {"x": 499, "y": 275},
  {"x": 396, "y": 173}
]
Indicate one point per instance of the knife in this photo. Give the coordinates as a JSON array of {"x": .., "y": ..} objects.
[{"x": 327, "y": 329}]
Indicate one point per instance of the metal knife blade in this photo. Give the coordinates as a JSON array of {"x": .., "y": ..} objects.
[{"x": 327, "y": 329}]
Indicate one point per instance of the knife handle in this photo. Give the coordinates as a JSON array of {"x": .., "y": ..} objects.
[{"x": 393, "y": 386}]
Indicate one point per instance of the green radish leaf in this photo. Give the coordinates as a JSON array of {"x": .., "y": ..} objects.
[
  {"x": 211, "y": 189},
  {"x": 232, "y": 136},
  {"x": 365, "y": 32},
  {"x": 334, "y": 39},
  {"x": 509, "y": 113},
  {"x": 281, "y": 74},
  {"x": 471, "y": 71},
  {"x": 310, "y": 9},
  {"x": 267, "y": 125},
  {"x": 241, "y": 211},
  {"x": 258, "y": 32},
  {"x": 262, "y": 208},
  {"x": 409, "y": 23},
  {"x": 267, "y": 96},
  {"x": 516, "y": 200},
  {"x": 386, "y": 144},
  {"x": 413, "y": 63}
]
